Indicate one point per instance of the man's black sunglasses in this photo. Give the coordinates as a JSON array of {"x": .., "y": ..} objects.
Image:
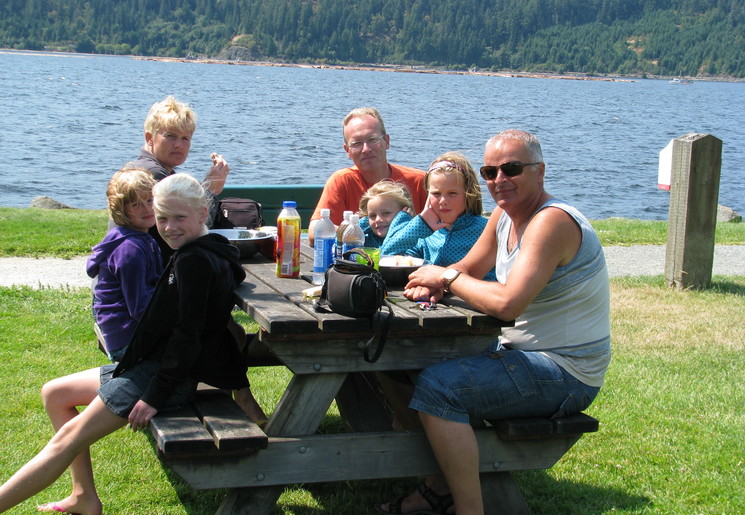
[{"x": 511, "y": 169}]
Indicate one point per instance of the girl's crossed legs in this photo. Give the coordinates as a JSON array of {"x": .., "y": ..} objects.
[{"x": 69, "y": 447}]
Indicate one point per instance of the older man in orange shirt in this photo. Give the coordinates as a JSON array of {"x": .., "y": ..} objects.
[{"x": 366, "y": 144}]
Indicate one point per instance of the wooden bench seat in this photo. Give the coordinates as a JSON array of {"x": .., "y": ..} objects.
[
  {"x": 212, "y": 425},
  {"x": 525, "y": 428}
]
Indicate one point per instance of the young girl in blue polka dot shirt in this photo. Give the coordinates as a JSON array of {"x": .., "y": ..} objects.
[
  {"x": 450, "y": 223},
  {"x": 384, "y": 204}
]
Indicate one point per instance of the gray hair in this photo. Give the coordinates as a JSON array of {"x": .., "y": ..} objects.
[
  {"x": 364, "y": 111},
  {"x": 529, "y": 140}
]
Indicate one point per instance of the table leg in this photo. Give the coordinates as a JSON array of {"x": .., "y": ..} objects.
[
  {"x": 299, "y": 412},
  {"x": 501, "y": 494},
  {"x": 362, "y": 405}
]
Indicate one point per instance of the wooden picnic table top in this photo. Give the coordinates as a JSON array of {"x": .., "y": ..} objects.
[{"x": 292, "y": 327}]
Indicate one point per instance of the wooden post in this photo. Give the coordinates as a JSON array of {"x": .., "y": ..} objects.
[{"x": 694, "y": 193}]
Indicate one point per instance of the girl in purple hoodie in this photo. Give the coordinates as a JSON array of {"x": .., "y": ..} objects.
[{"x": 127, "y": 263}]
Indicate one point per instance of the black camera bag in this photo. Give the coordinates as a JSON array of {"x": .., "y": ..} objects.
[{"x": 357, "y": 290}]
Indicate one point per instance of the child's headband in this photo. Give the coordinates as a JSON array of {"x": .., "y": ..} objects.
[{"x": 445, "y": 164}]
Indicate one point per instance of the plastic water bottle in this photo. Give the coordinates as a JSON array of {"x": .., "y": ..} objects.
[
  {"x": 354, "y": 236},
  {"x": 340, "y": 234},
  {"x": 323, "y": 246},
  {"x": 288, "y": 240}
]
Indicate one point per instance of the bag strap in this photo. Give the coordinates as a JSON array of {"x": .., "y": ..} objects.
[
  {"x": 381, "y": 333},
  {"x": 348, "y": 255}
]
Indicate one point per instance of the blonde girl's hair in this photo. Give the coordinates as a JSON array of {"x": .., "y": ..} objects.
[
  {"x": 389, "y": 189},
  {"x": 125, "y": 187},
  {"x": 182, "y": 187},
  {"x": 170, "y": 113},
  {"x": 456, "y": 164}
]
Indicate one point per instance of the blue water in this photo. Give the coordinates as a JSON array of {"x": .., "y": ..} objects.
[{"x": 67, "y": 122}]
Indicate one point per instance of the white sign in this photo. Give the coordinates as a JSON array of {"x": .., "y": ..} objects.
[{"x": 665, "y": 170}]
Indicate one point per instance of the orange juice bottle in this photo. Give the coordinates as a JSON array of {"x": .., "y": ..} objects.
[{"x": 288, "y": 240}]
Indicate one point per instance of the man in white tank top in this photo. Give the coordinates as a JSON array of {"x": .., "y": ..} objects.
[{"x": 552, "y": 280}]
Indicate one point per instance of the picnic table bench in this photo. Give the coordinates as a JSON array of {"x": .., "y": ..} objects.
[{"x": 212, "y": 444}]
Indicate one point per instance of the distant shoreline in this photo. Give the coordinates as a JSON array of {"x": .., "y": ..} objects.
[
  {"x": 425, "y": 69},
  {"x": 388, "y": 68}
]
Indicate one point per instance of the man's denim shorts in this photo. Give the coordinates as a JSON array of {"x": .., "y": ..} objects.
[
  {"x": 121, "y": 393},
  {"x": 499, "y": 384}
]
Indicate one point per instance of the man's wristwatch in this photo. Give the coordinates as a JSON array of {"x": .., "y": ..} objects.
[{"x": 450, "y": 275}]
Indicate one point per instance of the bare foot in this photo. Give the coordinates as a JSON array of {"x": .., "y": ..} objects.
[{"x": 73, "y": 505}]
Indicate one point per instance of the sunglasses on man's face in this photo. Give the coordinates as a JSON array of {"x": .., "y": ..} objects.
[{"x": 511, "y": 169}]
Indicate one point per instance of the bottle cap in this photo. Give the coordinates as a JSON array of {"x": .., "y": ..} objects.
[
  {"x": 289, "y": 204},
  {"x": 325, "y": 212},
  {"x": 355, "y": 218}
]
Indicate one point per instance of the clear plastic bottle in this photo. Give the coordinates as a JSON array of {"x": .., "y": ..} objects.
[
  {"x": 288, "y": 240},
  {"x": 323, "y": 246},
  {"x": 354, "y": 236},
  {"x": 340, "y": 234}
]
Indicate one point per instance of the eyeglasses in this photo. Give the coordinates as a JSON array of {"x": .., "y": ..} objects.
[
  {"x": 373, "y": 142},
  {"x": 511, "y": 169}
]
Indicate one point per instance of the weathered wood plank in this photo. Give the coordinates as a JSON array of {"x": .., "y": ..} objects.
[
  {"x": 362, "y": 405},
  {"x": 501, "y": 495},
  {"x": 304, "y": 404},
  {"x": 273, "y": 312},
  {"x": 230, "y": 427},
  {"x": 401, "y": 352},
  {"x": 181, "y": 433},
  {"x": 353, "y": 456}
]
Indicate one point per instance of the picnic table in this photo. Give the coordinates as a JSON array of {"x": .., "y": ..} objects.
[{"x": 324, "y": 353}]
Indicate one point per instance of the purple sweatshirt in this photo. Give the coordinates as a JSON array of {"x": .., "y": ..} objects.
[{"x": 127, "y": 264}]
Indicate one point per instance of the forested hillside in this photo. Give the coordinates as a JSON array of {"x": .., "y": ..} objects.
[{"x": 661, "y": 37}]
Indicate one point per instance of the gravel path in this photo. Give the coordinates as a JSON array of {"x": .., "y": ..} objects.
[{"x": 634, "y": 260}]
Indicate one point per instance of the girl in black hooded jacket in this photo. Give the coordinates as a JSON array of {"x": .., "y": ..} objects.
[{"x": 182, "y": 339}]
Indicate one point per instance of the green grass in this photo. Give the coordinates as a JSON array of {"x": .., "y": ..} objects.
[
  {"x": 60, "y": 233},
  {"x": 72, "y": 232},
  {"x": 671, "y": 413}
]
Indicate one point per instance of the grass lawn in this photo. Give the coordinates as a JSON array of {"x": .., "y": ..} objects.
[{"x": 671, "y": 413}]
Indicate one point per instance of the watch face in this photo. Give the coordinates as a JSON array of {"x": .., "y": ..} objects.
[{"x": 450, "y": 274}]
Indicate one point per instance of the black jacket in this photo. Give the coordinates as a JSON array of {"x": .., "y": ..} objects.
[{"x": 185, "y": 324}]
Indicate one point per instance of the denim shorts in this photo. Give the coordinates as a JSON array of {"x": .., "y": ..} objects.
[
  {"x": 117, "y": 355},
  {"x": 121, "y": 393},
  {"x": 499, "y": 384}
]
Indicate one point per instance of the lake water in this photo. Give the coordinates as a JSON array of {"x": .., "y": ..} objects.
[{"x": 68, "y": 121}]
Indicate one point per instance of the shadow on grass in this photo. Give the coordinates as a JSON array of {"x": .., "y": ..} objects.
[
  {"x": 728, "y": 287},
  {"x": 544, "y": 494},
  {"x": 196, "y": 502}
]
